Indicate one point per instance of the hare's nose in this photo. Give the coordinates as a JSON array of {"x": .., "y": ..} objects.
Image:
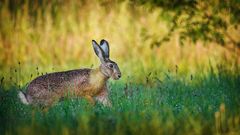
[{"x": 119, "y": 75}]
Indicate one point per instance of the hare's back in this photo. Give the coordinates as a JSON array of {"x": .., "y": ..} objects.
[{"x": 56, "y": 82}]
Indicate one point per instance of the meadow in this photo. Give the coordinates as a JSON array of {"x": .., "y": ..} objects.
[{"x": 175, "y": 88}]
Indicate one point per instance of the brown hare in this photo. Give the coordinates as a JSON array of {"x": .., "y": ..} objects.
[{"x": 88, "y": 83}]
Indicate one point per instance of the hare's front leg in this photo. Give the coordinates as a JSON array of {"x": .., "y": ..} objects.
[
  {"x": 103, "y": 98},
  {"x": 90, "y": 99}
]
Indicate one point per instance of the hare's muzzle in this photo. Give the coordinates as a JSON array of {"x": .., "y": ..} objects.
[{"x": 118, "y": 76}]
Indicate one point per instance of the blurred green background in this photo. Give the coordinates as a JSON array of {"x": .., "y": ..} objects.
[{"x": 179, "y": 61}]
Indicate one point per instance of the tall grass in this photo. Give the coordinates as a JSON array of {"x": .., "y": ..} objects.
[{"x": 176, "y": 105}]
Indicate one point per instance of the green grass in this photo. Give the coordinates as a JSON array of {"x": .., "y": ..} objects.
[{"x": 173, "y": 105}]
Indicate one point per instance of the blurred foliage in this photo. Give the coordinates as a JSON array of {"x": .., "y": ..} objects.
[
  {"x": 56, "y": 35},
  {"x": 208, "y": 21}
]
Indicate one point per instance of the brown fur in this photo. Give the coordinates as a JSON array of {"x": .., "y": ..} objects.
[
  {"x": 89, "y": 83},
  {"x": 44, "y": 90},
  {"x": 47, "y": 89}
]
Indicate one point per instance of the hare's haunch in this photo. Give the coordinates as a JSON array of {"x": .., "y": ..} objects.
[{"x": 89, "y": 83}]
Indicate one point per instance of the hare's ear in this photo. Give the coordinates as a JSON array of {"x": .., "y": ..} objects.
[
  {"x": 99, "y": 52},
  {"x": 105, "y": 47}
]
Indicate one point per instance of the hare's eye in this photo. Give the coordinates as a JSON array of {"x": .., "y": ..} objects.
[{"x": 111, "y": 65}]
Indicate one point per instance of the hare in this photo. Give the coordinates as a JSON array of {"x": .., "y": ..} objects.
[{"x": 91, "y": 84}]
